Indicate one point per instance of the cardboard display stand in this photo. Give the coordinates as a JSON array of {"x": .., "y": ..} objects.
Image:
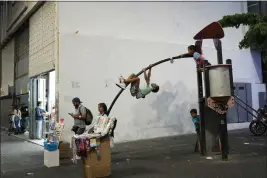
[{"x": 96, "y": 167}]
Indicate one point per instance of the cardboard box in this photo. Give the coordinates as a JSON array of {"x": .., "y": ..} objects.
[
  {"x": 51, "y": 158},
  {"x": 96, "y": 167},
  {"x": 64, "y": 150}
]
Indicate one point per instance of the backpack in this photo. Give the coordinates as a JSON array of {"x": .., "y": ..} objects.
[{"x": 89, "y": 116}]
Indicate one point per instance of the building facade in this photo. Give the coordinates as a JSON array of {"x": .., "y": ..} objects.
[
  {"x": 29, "y": 40},
  {"x": 89, "y": 49}
]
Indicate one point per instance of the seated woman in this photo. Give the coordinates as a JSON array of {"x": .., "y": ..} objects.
[{"x": 102, "y": 109}]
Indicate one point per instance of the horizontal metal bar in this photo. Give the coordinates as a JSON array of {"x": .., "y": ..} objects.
[{"x": 153, "y": 65}]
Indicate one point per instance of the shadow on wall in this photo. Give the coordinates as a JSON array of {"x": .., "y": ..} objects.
[{"x": 162, "y": 114}]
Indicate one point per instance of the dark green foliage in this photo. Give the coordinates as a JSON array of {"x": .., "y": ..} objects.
[{"x": 256, "y": 36}]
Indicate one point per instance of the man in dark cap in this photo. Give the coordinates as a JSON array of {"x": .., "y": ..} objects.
[{"x": 79, "y": 116}]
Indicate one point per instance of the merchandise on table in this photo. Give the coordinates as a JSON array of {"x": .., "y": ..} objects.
[
  {"x": 52, "y": 124},
  {"x": 90, "y": 140},
  {"x": 51, "y": 144}
]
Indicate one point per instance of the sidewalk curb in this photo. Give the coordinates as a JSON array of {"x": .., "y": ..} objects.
[{"x": 28, "y": 140}]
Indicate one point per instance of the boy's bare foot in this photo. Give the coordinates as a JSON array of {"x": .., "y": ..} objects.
[{"x": 121, "y": 79}]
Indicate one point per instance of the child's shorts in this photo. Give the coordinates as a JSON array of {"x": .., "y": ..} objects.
[{"x": 135, "y": 92}]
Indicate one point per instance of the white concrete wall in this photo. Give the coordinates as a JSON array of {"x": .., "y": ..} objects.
[
  {"x": 101, "y": 41},
  {"x": 7, "y": 67}
]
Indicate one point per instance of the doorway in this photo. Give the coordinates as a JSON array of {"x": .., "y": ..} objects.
[{"x": 42, "y": 88}]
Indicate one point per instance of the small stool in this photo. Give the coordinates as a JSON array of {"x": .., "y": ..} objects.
[{"x": 51, "y": 158}]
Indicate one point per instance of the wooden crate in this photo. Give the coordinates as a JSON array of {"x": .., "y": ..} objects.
[{"x": 64, "y": 150}]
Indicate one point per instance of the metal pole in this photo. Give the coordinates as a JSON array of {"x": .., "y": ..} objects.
[
  {"x": 138, "y": 74},
  {"x": 229, "y": 61},
  {"x": 1, "y": 86},
  {"x": 223, "y": 124},
  {"x": 201, "y": 101},
  {"x": 218, "y": 46}
]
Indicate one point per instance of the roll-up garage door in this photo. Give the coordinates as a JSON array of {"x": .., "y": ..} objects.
[
  {"x": 22, "y": 62},
  {"x": 43, "y": 40}
]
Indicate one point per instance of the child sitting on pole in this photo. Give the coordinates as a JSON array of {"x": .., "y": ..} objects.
[
  {"x": 196, "y": 121},
  {"x": 135, "y": 82},
  {"x": 198, "y": 57}
]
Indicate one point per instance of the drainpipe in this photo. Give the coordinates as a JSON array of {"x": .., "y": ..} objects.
[{"x": 1, "y": 86}]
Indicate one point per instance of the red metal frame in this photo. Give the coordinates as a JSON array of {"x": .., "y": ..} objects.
[{"x": 212, "y": 31}]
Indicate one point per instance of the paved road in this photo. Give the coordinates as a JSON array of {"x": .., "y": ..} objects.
[{"x": 170, "y": 157}]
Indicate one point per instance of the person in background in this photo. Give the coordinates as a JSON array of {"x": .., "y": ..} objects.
[
  {"x": 17, "y": 111},
  {"x": 40, "y": 113},
  {"x": 24, "y": 118},
  {"x": 196, "y": 121},
  {"x": 79, "y": 116},
  {"x": 102, "y": 109},
  {"x": 15, "y": 119}
]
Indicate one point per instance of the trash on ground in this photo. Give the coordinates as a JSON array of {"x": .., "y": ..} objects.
[
  {"x": 209, "y": 158},
  {"x": 167, "y": 157}
]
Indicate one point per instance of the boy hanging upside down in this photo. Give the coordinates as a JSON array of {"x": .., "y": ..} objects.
[{"x": 135, "y": 82}]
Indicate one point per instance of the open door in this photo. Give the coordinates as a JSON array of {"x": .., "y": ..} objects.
[
  {"x": 38, "y": 92},
  {"x": 33, "y": 98}
]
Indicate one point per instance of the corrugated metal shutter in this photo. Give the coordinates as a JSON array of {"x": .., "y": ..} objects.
[
  {"x": 22, "y": 62},
  {"x": 43, "y": 39}
]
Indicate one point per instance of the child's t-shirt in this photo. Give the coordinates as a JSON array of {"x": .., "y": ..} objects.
[
  {"x": 144, "y": 91},
  {"x": 195, "y": 120},
  {"x": 198, "y": 58}
]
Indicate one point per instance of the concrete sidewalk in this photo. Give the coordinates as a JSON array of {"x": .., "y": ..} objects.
[
  {"x": 169, "y": 157},
  {"x": 25, "y": 136}
]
